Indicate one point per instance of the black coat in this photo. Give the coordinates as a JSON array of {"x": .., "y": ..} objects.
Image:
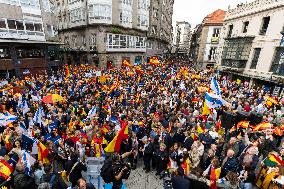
[
  {"x": 58, "y": 182},
  {"x": 23, "y": 181},
  {"x": 149, "y": 149},
  {"x": 76, "y": 174},
  {"x": 188, "y": 143},
  {"x": 181, "y": 182}
]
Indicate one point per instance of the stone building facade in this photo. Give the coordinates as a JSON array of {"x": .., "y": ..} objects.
[
  {"x": 104, "y": 32},
  {"x": 159, "y": 36},
  {"x": 252, "y": 42},
  {"x": 182, "y": 37},
  {"x": 207, "y": 39},
  {"x": 28, "y": 42}
]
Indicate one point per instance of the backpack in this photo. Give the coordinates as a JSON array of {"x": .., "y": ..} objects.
[{"x": 107, "y": 172}]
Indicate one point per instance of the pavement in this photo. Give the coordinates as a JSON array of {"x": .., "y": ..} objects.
[{"x": 138, "y": 179}]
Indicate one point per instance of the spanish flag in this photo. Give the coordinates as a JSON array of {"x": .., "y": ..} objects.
[
  {"x": 214, "y": 176},
  {"x": 243, "y": 124},
  {"x": 270, "y": 101},
  {"x": 98, "y": 150},
  {"x": 206, "y": 110},
  {"x": 42, "y": 153},
  {"x": 186, "y": 166},
  {"x": 114, "y": 145},
  {"x": 67, "y": 72},
  {"x": 262, "y": 126},
  {"x": 105, "y": 129},
  {"x": 125, "y": 63},
  {"x": 5, "y": 169}
]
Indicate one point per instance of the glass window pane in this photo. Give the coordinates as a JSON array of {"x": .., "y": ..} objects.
[
  {"x": 2, "y": 23},
  {"x": 38, "y": 27},
  {"x": 20, "y": 25},
  {"x": 11, "y": 24}
]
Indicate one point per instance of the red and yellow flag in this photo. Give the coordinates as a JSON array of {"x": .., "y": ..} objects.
[
  {"x": 262, "y": 126},
  {"x": 42, "y": 153},
  {"x": 5, "y": 169},
  {"x": 114, "y": 145},
  {"x": 243, "y": 124},
  {"x": 67, "y": 71},
  {"x": 125, "y": 63}
]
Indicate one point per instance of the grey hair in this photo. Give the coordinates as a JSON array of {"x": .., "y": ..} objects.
[{"x": 44, "y": 185}]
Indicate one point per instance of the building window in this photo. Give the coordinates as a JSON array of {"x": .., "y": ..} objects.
[
  {"x": 125, "y": 16},
  {"x": 20, "y": 25},
  {"x": 38, "y": 27},
  {"x": 3, "y": 27},
  {"x": 29, "y": 27},
  {"x": 5, "y": 53},
  {"x": 216, "y": 32},
  {"x": 164, "y": 2},
  {"x": 93, "y": 40},
  {"x": 50, "y": 31},
  {"x": 230, "y": 31},
  {"x": 236, "y": 52},
  {"x": 119, "y": 41},
  {"x": 264, "y": 27},
  {"x": 126, "y": 2},
  {"x": 30, "y": 3},
  {"x": 245, "y": 27},
  {"x": 11, "y": 24},
  {"x": 46, "y": 5},
  {"x": 83, "y": 40},
  {"x": 212, "y": 53},
  {"x": 29, "y": 52},
  {"x": 74, "y": 40},
  {"x": 100, "y": 12},
  {"x": 149, "y": 45},
  {"x": 72, "y": 1},
  {"x": 77, "y": 15},
  {"x": 255, "y": 58},
  {"x": 154, "y": 29},
  {"x": 143, "y": 5},
  {"x": 142, "y": 20},
  {"x": 277, "y": 66},
  {"x": 155, "y": 13}
]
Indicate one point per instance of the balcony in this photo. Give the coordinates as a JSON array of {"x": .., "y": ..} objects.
[
  {"x": 238, "y": 64},
  {"x": 215, "y": 40}
]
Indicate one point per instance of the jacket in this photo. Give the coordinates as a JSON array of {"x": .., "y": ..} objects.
[
  {"x": 58, "y": 182},
  {"x": 230, "y": 165},
  {"x": 23, "y": 181}
]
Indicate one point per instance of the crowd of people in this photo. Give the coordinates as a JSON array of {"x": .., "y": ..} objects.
[{"x": 51, "y": 123}]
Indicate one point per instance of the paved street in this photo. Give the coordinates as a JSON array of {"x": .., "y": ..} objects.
[{"x": 140, "y": 180}]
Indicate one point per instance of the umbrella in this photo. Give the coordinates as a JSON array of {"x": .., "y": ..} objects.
[{"x": 53, "y": 98}]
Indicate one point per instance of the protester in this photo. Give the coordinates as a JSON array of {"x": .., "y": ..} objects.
[{"x": 166, "y": 113}]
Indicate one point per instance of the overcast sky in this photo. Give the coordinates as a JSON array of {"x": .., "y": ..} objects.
[{"x": 193, "y": 11}]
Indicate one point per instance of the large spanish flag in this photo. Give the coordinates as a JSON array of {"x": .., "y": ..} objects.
[
  {"x": 5, "y": 169},
  {"x": 42, "y": 153},
  {"x": 114, "y": 145},
  {"x": 243, "y": 124},
  {"x": 263, "y": 126}
]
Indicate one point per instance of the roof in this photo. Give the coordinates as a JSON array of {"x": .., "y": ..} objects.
[{"x": 216, "y": 17}]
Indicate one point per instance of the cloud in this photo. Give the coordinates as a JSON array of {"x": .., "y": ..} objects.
[{"x": 193, "y": 11}]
